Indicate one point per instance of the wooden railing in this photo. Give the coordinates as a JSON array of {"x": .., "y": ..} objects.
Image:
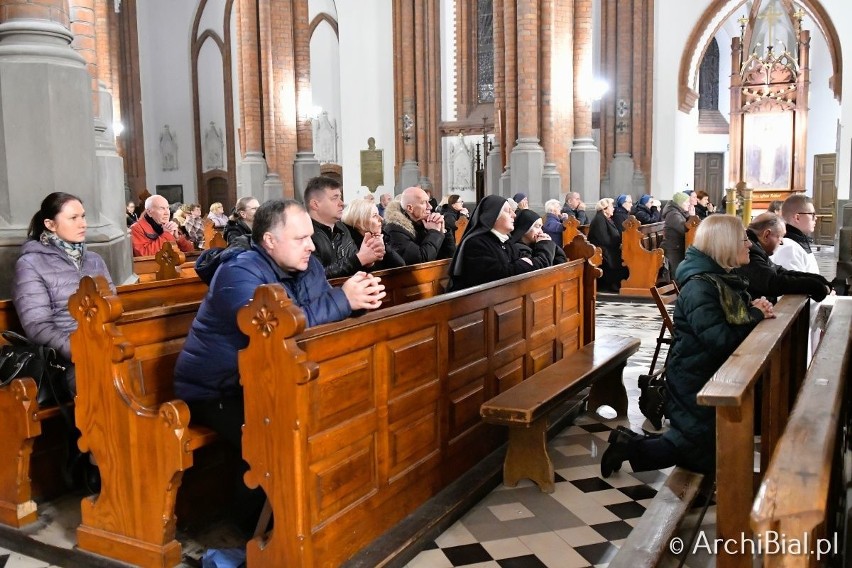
[{"x": 773, "y": 356}]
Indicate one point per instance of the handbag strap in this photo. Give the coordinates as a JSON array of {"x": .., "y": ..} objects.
[{"x": 15, "y": 338}]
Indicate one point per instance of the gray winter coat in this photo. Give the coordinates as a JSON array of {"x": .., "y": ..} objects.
[{"x": 45, "y": 277}]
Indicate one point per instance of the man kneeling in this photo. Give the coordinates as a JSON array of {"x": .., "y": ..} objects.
[{"x": 207, "y": 372}]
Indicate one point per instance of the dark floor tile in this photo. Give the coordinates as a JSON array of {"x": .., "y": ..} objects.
[
  {"x": 601, "y": 553},
  {"x": 629, "y": 510},
  {"x": 591, "y": 484},
  {"x": 639, "y": 492},
  {"x": 431, "y": 545},
  {"x": 466, "y": 554},
  {"x": 528, "y": 561},
  {"x": 558, "y": 478},
  {"x": 3, "y": 560},
  {"x": 595, "y": 427},
  {"x": 615, "y": 530}
]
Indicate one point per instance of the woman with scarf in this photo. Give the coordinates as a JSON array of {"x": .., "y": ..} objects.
[
  {"x": 485, "y": 253},
  {"x": 53, "y": 261},
  {"x": 675, "y": 215},
  {"x": 645, "y": 211},
  {"x": 712, "y": 316},
  {"x": 604, "y": 233},
  {"x": 529, "y": 229},
  {"x": 623, "y": 206}
]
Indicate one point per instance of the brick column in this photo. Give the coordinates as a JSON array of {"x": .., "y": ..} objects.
[
  {"x": 82, "y": 16},
  {"x": 497, "y": 157},
  {"x": 556, "y": 86},
  {"x": 50, "y": 10},
  {"x": 305, "y": 165},
  {"x": 527, "y": 158},
  {"x": 405, "y": 90},
  {"x": 585, "y": 158}
]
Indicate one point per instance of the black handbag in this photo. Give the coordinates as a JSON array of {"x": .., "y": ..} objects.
[
  {"x": 653, "y": 396},
  {"x": 20, "y": 357}
]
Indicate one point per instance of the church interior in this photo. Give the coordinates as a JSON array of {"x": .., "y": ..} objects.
[{"x": 371, "y": 446}]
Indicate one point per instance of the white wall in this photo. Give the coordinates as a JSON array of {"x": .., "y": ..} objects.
[
  {"x": 211, "y": 93},
  {"x": 325, "y": 75},
  {"x": 164, "y": 68},
  {"x": 366, "y": 79},
  {"x": 675, "y": 140}
]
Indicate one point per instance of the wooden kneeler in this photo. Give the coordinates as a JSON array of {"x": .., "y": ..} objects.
[{"x": 524, "y": 408}]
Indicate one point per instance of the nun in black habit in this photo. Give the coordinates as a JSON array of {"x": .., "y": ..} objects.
[
  {"x": 528, "y": 233},
  {"x": 485, "y": 253}
]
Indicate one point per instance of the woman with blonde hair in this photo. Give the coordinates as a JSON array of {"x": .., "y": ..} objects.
[
  {"x": 713, "y": 315},
  {"x": 361, "y": 216},
  {"x": 217, "y": 215}
]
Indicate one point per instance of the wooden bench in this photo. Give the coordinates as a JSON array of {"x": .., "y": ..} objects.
[
  {"x": 212, "y": 236},
  {"x": 689, "y": 237},
  {"x": 168, "y": 263},
  {"x": 803, "y": 485},
  {"x": 773, "y": 354},
  {"x": 525, "y": 407},
  {"x": 351, "y": 426},
  {"x": 138, "y": 433},
  {"x": 408, "y": 283},
  {"x": 641, "y": 254},
  {"x": 461, "y": 226},
  {"x": 30, "y": 464}
]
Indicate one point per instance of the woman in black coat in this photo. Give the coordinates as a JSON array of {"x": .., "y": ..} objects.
[
  {"x": 604, "y": 233},
  {"x": 713, "y": 315},
  {"x": 621, "y": 210},
  {"x": 485, "y": 253},
  {"x": 452, "y": 211}
]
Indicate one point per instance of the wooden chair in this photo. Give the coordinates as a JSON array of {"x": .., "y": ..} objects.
[{"x": 664, "y": 296}]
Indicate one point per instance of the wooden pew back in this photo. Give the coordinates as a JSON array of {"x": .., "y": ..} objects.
[
  {"x": 691, "y": 228},
  {"x": 773, "y": 354},
  {"x": 408, "y": 283},
  {"x": 140, "y": 437},
  {"x": 461, "y": 226},
  {"x": 168, "y": 263},
  {"x": 641, "y": 254},
  {"x": 212, "y": 236},
  {"x": 350, "y": 426},
  {"x": 802, "y": 488}
]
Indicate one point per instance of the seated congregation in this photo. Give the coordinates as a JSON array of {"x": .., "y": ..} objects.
[{"x": 342, "y": 415}]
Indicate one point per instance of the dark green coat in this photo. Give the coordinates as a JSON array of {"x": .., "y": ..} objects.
[{"x": 703, "y": 340}]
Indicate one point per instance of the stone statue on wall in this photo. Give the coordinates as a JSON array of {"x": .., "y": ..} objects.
[
  {"x": 325, "y": 139},
  {"x": 461, "y": 164},
  {"x": 168, "y": 149},
  {"x": 213, "y": 148}
]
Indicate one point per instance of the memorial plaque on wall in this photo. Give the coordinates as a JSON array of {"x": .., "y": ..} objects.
[{"x": 372, "y": 166}]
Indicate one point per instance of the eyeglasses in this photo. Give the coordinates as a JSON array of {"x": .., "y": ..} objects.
[{"x": 811, "y": 213}]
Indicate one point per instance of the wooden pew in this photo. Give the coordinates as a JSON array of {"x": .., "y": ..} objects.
[
  {"x": 773, "y": 355},
  {"x": 29, "y": 463},
  {"x": 803, "y": 485},
  {"x": 168, "y": 263},
  {"x": 212, "y": 236},
  {"x": 351, "y": 426},
  {"x": 408, "y": 283},
  {"x": 461, "y": 226},
  {"x": 691, "y": 227},
  {"x": 138, "y": 433},
  {"x": 641, "y": 254},
  {"x": 525, "y": 407}
]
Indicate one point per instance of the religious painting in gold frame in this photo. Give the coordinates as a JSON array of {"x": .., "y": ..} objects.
[{"x": 768, "y": 150}]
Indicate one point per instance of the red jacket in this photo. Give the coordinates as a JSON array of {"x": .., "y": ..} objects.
[{"x": 146, "y": 242}]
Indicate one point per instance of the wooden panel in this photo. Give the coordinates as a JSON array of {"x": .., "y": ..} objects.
[
  {"x": 541, "y": 357},
  {"x": 508, "y": 323},
  {"x": 420, "y": 346},
  {"x": 467, "y": 338},
  {"x": 464, "y": 409},
  {"x": 343, "y": 478},
  {"x": 414, "y": 439},
  {"x": 825, "y": 197},
  {"x": 344, "y": 390},
  {"x": 543, "y": 310},
  {"x": 510, "y": 374}
]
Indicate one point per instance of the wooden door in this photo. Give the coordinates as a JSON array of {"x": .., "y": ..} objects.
[
  {"x": 825, "y": 197},
  {"x": 709, "y": 175}
]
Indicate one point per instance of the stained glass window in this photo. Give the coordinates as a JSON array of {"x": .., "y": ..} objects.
[
  {"x": 708, "y": 78},
  {"x": 485, "y": 51}
]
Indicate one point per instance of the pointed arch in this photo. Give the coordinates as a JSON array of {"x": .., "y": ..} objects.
[
  {"x": 716, "y": 15},
  {"x": 323, "y": 17}
]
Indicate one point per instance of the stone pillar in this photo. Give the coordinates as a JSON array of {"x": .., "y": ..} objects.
[
  {"x": 527, "y": 158},
  {"x": 585, "y": 157},
  {"x": 493, "y": 169},
  {"x": 306, "y": 165},
  {"x": 252, "y": 170},
  {"x": 407, "y": 122},
  {"x": 47, "y": 135}
]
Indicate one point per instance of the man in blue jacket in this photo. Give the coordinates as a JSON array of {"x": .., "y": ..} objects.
[{"x": 207, "y": 372}]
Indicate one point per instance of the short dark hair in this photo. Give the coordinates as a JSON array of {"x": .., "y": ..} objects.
[
  {"x": 317, "y": 185},
  {"x": 50, "y": 208},
  {"x": 271, "y": 214}
]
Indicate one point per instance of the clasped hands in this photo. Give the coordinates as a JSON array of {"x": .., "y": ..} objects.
[{"x": 364, "y": 291}]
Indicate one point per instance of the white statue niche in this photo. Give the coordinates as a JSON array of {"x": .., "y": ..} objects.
[{"x": 325, "y": 139}]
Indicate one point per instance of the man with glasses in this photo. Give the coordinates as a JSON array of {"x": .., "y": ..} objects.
[{"x": 795, "y": 253}]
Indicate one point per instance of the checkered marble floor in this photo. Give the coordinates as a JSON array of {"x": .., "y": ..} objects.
[{"x": 586, "y": 519}]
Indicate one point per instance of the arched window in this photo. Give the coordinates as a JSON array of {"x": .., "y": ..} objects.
[
  {"x": 708, "y": 78},
  {"x": 485, "y": 51}
]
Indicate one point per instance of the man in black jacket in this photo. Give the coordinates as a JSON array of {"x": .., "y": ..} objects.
[
  {"x": 766, "y": 278},
  {"x": 334, "y": 245},
  {"x": 415, "y": 231}
]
